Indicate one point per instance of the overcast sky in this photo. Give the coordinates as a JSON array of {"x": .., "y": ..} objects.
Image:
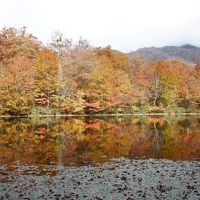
[{"x": 124, "y": 24}]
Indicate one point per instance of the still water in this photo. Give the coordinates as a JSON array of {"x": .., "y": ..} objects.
[{"x": 88, "y": 140}]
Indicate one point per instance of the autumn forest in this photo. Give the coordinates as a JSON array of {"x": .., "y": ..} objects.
[{"x": 63, "y": 77}]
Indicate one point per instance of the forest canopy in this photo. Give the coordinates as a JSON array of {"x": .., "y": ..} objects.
[{"x": 64, "y": 77}]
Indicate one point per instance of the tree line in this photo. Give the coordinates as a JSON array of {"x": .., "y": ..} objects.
[{"x": 64, "y": 77}]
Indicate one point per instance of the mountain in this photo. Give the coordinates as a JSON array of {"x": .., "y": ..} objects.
[{"x": 186, "y": 53}]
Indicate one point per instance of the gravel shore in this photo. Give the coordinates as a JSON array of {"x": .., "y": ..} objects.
[{"x": 119, "y": 179}]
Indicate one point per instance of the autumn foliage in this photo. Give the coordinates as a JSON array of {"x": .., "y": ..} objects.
[{"x": 63, "y": 77}]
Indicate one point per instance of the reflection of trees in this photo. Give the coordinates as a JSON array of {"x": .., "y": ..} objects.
[
  {"x": 156, "y": 140},
  {"x": 77, "y": 140},
  {"x": 150, "y": 140}
]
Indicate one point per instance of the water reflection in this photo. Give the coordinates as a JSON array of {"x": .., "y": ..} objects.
[{"x": 83, "y": 141}]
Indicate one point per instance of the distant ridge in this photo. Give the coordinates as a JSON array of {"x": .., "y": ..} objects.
[
  {"x": 189, "y": 46},
  {"x": 186, "y": 53}
]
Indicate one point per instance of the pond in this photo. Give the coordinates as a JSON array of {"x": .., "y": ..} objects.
[{"x": 75, "y": 141}]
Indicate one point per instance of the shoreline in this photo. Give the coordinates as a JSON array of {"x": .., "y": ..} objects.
[
  {"x": 102, "y": 115},
  {"x": 119, "y": 179}
]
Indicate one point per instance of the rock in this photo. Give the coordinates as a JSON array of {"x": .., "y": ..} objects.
[
  {"x": 139, "y": 179},
  {"x": 124, "y": 178}
]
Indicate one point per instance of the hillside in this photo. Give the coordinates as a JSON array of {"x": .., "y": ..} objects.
[{"x": 186, "y": 53}]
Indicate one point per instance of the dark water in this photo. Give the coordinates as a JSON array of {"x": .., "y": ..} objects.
[{"x": 87, "y": 140}]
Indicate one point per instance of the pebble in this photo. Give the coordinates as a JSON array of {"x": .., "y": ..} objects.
[{"x": 120, "y": 179}]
